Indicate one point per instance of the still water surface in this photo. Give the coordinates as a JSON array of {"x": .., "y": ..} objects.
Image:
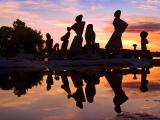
[{"x": 78, "y": 95}]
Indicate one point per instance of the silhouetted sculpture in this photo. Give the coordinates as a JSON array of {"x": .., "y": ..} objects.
[
  {"x": 78, "y": 28},
  {"x": 144, "y": 82},
  {"x": 90, "y": 35},
  {"x": 65, "y": 41},
  {"x": 115, "y": 41},
  {"x": 144, "y": 40},
  {"x": 56, "y": 52},
  {"x": 56, "y": 47},
  {"x": 49, "y": 81},
  {"x": 115, "y": 80},
  {"x": 49, "y": 42}
]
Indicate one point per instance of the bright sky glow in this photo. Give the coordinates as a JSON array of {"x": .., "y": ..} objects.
[{"x": 54, "y": 16}]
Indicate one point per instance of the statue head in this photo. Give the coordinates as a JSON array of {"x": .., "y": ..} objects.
[
  {"x": 79, "y": 18},
  {"x": 48, "y": 36},
  {"x": 144, "y": 34},
  {"x": 117, "y": 14}
]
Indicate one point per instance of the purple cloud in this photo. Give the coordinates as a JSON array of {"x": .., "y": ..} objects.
[{"x": 144, "y": 26}]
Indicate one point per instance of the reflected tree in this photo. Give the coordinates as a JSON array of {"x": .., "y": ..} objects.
[{"x": 20, "y": 82}]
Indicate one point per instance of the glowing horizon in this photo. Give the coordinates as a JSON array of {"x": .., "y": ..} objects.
[{"x": 53, "y": 16}]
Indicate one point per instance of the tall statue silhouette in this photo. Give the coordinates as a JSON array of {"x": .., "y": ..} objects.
[
  {"x": 90, "y": 35},
  {"x": 115, "y": 41},
  {"x": 78, "y": 27}
]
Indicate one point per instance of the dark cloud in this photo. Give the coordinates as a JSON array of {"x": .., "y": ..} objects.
[{"x": 142, "y": 26}]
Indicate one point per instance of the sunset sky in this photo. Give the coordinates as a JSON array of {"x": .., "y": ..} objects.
[{"x": 54, "y": 16}]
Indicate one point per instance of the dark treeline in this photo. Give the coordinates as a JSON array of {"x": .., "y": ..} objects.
[{"x": 20, "y": 36}]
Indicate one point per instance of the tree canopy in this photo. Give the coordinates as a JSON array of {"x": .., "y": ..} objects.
[{"x": 20, "y": 36}]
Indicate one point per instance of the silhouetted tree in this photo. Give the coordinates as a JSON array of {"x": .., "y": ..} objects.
[
  {"x": 20, "y": 37},
  {"x": 27, "y": 37},
  {"x": 5, "y": 36},
  {"x": 19, "y": 24}
]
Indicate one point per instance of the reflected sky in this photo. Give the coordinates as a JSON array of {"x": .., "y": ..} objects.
[{"x": 98, "y": 93}]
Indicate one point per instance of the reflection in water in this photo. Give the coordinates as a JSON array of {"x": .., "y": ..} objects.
[
  {"x": 65, "y": 82},
  {"x": 79, "y": 94},
  {"x": 49, "y": 81},
  {"x": 21, "y": 82},
  {"x": 144, "y": 80},
  {"x": 114, "y": 78}
]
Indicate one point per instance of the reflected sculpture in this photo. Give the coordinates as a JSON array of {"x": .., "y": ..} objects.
[{"x": 84, "y": 81}]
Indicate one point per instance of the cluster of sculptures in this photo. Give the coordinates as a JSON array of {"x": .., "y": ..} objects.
[{"x": 114, "y": 43}]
